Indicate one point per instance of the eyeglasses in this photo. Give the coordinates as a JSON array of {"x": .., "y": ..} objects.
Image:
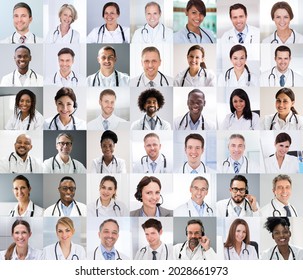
[
  {"x": 200, "y": 189},
  {"x": 65, "y": 189},
  {"x": 196, "y": 233},
  {"x": 62, "y": 144},
  {"x": 235, "y": 190}
]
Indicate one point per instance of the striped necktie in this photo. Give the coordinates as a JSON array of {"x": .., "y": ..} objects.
[
  {"x": 22, "y": 39},
  {"x": 288, "y": 213},
  {"x": 154, "y": 255},
  {"x": 236, "y": 167},
  {"x": 282, "y": 80},
  {"x": 241, "y": 41}
]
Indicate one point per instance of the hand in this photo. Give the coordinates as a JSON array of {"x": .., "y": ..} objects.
[
  {"x": 252, "y": 201},
  {"x": 205, "y": 242}
]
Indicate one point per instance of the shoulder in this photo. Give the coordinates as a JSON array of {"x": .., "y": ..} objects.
[
  {"x": 135, "y": 213},
  {"x": 166, "y": 212},
  {"x": 268, "y": 39}
]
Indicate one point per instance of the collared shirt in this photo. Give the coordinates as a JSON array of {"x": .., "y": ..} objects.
[
  {"x": 103, "y": 250},
  {"x": 142, "y": 214},
  {"x": 161, "y": 80},
  {"x": 148, "y": 35},
  {"x": 244, "y": 33},
  {"x": 199, "y": 208},
  {"x": 240, "y": 161},
  {"x": 99, "y": 80},
  {"x": 67, "y": 209},
  {"x": 194, "y": 126}
]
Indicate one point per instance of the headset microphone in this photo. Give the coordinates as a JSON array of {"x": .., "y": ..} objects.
[{"x": 159, "y": 204}]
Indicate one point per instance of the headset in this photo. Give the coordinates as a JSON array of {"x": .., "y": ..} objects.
[
  {"x": 246, "y": 202},
  {"x": 185, "y": 117},
  {"x": 74, "y": 79},
  {"x": 74, "y": 256},
  {"x": 30, "y": 76},
  {"x": 228, "y": 162},
  {"x": 290, "y": 249},
  {"x": 96, "y": 77},
  {"x": 157, "y": 119},
  {"x": 187, "y": 163},
  {"x": 114, "y": 208},
  {"x": 162, "y": 76},
  {"x": 146, "y": 162},
  {"x": 13, "y": 38},
  {"x": 144, "y": 29},
  {"x": 209, "y": 210},
  {"x": 199, "y": 74},
  {"x": 193, "y": 34},
  {"x": 118, "y": 255},
  {"x": 243, "y": 251},
  {"x": 275, "y": 40},
  {"x": 144, "y": 249},
  {"x": 12, "y": 213},
  {"x": 227, "y": 75},
  {"x": 103, "y": 31},
  {"x": 112, "y": 161},
  {"x": 277, "y": 213},
  {"x": 55, "y": 160},
  {"x": 59, "y": 211},
  {"x": 56, "y": 34},
  {"x": 15, "y": 158},
  {"x": 273, "y": 76},
  {"x": 233, "y": 115},
  {"x": 273, "y": 122}
]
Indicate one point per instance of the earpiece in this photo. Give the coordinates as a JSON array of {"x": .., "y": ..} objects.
[{"x": 75, "y": 105}]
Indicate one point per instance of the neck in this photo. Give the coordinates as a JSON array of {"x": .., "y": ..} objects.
[
  {"x": 65, "y": 244},
  {"x": 66, "y": 203},
  {"x": 193, "y": 29},
  {"x": 150, "y": 212},
  {"x": 104, "y": 202},
  {"x": 284, "y": 251},
  {"x": 24, "y": 157},
  {"x": 194, "y": 118},
  {"x": 24, "y": 115},
  {"x": 284, "y": 34},
  {"x": 108, "y": 159},
  {"x": 65, "y": 158},
  {"x": 151, "y": 115},
  {"x": 239, "y": 114},
  {"x": 156, "y": 246},
  {"x": 238, "y": 73},
  {"x": 21, "y": 252},
  {"x": 193, "y": 71},
  {"x": 106, "y": 72},
  {"x": 107, "y": 248},
  {"x": 111, "y": 27},
  {"x": 238, "y": 247},
  {"x": 22, "y": 71},
  {"x": 23, "y": 32},
  {"x": 194, "y": 165},
  {"x": 283, "y": 117},
  {"x": 151, "y": 77},
  {"x": 64, "y": 28},
  {"x": 22, "y": 206},
  {"x": 105, "y": 116},
  {"x": 65, "y": 120},
  {"x": 64, "y": 74}
]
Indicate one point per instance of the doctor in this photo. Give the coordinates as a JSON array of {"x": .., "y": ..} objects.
[
  {"x": 196, "y": 206},
  {"x": 62, "y": 162},
  {"x": 241, "y": 32},
  {"x": 192, "y": 33},
  {"x": 153, "y": 31},
  {"x": 64, "y": 34},
  {"x": 156, "y": 249},
  {"x": 107, "y": 75},
  {"x": 66, "y": 205},
  {"x": 281, "y": 75},
  {"x": 64, "y": 249},
  {"x": 23, "y": 76},
  {"x": 240, "y": 203},
  {"x": 111, "y": 31},
  {"x": 279, "y": 205},
  {"x": 108, "y": 234}
]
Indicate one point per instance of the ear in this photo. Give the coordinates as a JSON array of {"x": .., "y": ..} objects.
[{"x": 161, "y": 231}]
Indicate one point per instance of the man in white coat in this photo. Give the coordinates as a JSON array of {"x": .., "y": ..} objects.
[
  {"x": 279, "y": 205},
  {"x": 66, "y": 205},
  {"x": 241, "y": 32}
]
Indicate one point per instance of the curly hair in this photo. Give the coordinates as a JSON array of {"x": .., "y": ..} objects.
[{"x": 150, "y": 93}]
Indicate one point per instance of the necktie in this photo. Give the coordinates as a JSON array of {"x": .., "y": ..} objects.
[
  {"x": 288, "y": 213},
  {"x": 105, "y": 124},
  {"x": 282, "y": 80},
  {"x": 151, "y": 84},
  {"x": 153, "y": 165},
  {"x": 109, "y": 255},
  {"x": 194, "y": 171},
  {"x": 236, "y": 167},
  {"x": 22, "y": 39},
  {"x": 241, "y": 41},
  {"x": 238, "y": 210},
  {"x": 154, "y": 255},
  {"x": 152, "y": 124}
]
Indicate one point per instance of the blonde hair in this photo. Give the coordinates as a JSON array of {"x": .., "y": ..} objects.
[
  {"x": 65, "y": 221},
  {"x": 71, "y": 8}
]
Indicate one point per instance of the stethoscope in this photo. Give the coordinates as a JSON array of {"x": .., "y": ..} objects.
[
  {"x": 275, "y": 40},
  {"x": 277, "y": 213},
  {"x": 30, "y": 76},
  {"x": 182, "y": 247},
  {"x": 12, "y": 213},
  {"x": 192, "y": 33},
  {"x": 114, "y": 160},
  {"x": 74, "y": 79},
  {"x": 19, "y": 117},
  {"x": 103, "y": 31},
  {"x": 96, "y": 77},
  {"x": 118, "y": 255},
  {"x": 204, "y": 168},
  {"x": 162, "y": 76},
  {"x": 228, "y": 162},
  {"x": 245, "y": 206},
  {"x": 145, "y": 29},
  {"x": 144, "y": 249},
  {"x": 146, "y": 164},
  {"x": 157, "y": 119},
  {"x": 114, "y": 208},
  {"x": 273, "y": 251},
  {"x": 56, "y": 34},
  {"x": 199, "y": 73},
  {"x": 273, "y": 122},
  {"x": 209, "y": 210},
  {"x": 233, "y": 115},
  {"x": 74, "y": 256},
  {"x": 59, "y": 211},
  {"x": 29, "y": 159},
  {"x": 243, "y": 252},
  {"x": 55, "y": 160},
  {"x": 54, "y": 120},
  {"x": 185, "y": 117},
  {"x": 272, "y": 75},
  {"x": 227, "y": 75},
  {"x": 13, "y": 38}
]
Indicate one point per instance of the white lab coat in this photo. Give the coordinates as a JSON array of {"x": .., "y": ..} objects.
[
  {"x": 279, "y": 124},
  {"x": 272, "y": 39},
  {"x": 99, "y": 80},
  {"x": 184, "y": 125},
  {"x": 72, "y": 80},
  {"x": 54, "y": 252},
  {"x": 15, "y": 39},
  {"x": 148, "y": 35},
  {"x": 233, "y": 82},
  {"x": 252, "y": 36},
  {"x": 267, "y": 254},
  {"x": 221, "y": 207},
  {"x": 115, "y": 208},
  {"x": 12, "y": 79},
  {"x": 271, "y": 78},
  {"x": 248, "y": 166},
  {"x": 32, "y": 210},
  {"x": 164, "y": 252},
  {"x": 117, "y": 165},
  {"x": 108, "y": 36},
  {"x": 198, "y": 254},
  {"x": 32, "y": 254},
  {"x": 231, "y": 122},
  {"x": 160, "y": 80},
  {"x": 250, "y": 254},
  {"x": 114, "y": 122},
  {"x": 201, "y": 79},
  {"x": 15, "y": 122},
  {"x": 269, "y": 211},
  {"x": 144, "y": 124},
  {"x": 188, "y": 210},
  {"x": 99, "y": 256},
  {"x": 58, "y": 206},
  {"x": 55, "y": 37},
  {"x": 290, "y": 164},
  {"x": 79, "y": 124},
  {"x": 145, "y": 166},
  {"x": 185, "y": 37},
  {"x": 201, "y": 169},
  {"x": 64, "y": 167}
]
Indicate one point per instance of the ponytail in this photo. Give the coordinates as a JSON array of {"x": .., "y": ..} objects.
[{"x": 9, "y": 252}]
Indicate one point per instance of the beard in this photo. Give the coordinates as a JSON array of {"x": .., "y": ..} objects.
[
  {"x": 238, "y": 199},
  {"x": 193, "y": 243}
]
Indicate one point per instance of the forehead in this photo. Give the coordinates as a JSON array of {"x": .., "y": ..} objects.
[
  {"x": 238, "y": 183},
  {"x": 150, "y": 230},
  {"x": 110, "y": 226},
  {"x": 20, "y": 11},
  {"x": 67, "y": 183},
  {"x": 61, "y": 226},
  {"x": 193, "y": 142},
  {"x": 110, "y": 9},
  {"x": 65, "y": 56},
  {"x": 108, "y": 183},
  {"x": 151, "y": 56},
  {"x": 194, "y": 227},
  {"x": 238, "y": 53},
  {"x": 22, "y": 51},
  {"x": 106, "y": 52},
  {"x": 23, "y": 138},
  {"x": 194, "y": 96},
  {"x": 152, "y": 186},
  {"x": 19, "y": 183},
  {"x": 25, "y": 96},
  {"x": 196, "y": 52},
  {"x": 66, "y": 11},
  {"x": 108, "y": 97},
  {"x": 283, "y": 96},
  {"x": 20, "y": 227},
  {"x": 200, "y": 183},
  {"x": 282, "y": 54},
  {"x": 240, "y": 227},
  {"x": 152, "y": 8},
  {"x": 235, "y": 141},
  {"x": 281, "y": 12},
  {"x": 282, "y": 183},
  {"x": 64, "y": 138},
  {"x": 107, "y": 141},
  {"x": 151, "y": 99},
  {"x": 237, "y": 12},
  {"x": 151, "y": 140}
]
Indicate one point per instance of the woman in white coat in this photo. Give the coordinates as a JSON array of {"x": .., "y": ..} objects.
[
  {"x": 196, "y": 74},
  {"x": 237, "y": 245},
  {"x": 25, "y": 117},
  {"x": 64, "y": 249},
  {"x": 280, "y": 161},
  {"x": 241, "y": 116},
  {"x": 64, "y": 33}
]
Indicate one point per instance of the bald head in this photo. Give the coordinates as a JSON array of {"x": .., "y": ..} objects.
[{"x": 23, "y": 145}]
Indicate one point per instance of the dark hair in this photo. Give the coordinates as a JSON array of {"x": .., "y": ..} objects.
[
  {"x": 23, "y": 5},
  {"x": 282, "y": 137},
  {"x": 282, "y": 49},
  {"x": 237, "y": 48},
  {"x": 236, "y": 7},
  {"x": 22, "y": 178},
  {"x": 199, "y": 178},
  {"x": 66, "y": 51},
  {"x": 109, "y": 178},
  {"x": 290, "y": 94},
  {"x": 231, "y": 239},
  {"x": 108, "y": 48},
  {"x": 195, "y": 221},
  {"x": 23, "y": 47},
  {"x": 66, "y": 91},
  {"x": 200, "y": 48},
  {"x": 150, "y": 49},
  {"x": 108, "y": 134},
  {"x": 196, "y": 90},
  {"x": 153, "y": 4},
  {"x": 247, "y": 114},
  {"x": 108, "y": 4},
  {"x": 107, "y": 92},
  {"x": 152, "y": 223},
  {"x": 33, "y": 102},
  {"x": 199, "y": 4},
  {"x": 67, "y": 178},
  {"x": 240, "y": 178},
  {"x": 281, "y": 5},
  {"x": 149, "y": 135},
  {"x": 272, "y": 222},
  {"x": 144, "y": 182},
  {"x": 196, "y": 136},
  {"x": 108, "y": 221},
  {"x": 152, "y": 92}
]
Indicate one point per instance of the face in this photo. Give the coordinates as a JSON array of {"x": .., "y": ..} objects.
[
  {"x": 66, "y": 17},
  {"x": 195, "y": 104},
  {"x": 21, "y": 191},
  {"x": 107, "y": 104},
  {"x": 67, "y": 190},
  {"x": 238, "y": 103},
  {"x": 66, "y": 61},
  {"x": 21, "y": 235},
  {"x": 281, "y": 235},
  {"x": 238, "y": 60},
  {"x": 151, "y": 195},
  {"x": 25, "y": 104},
  {"x": 237, "y": 191},
  {"x": 150, "y": 63},
  {"x": 152, "y": 147},
  {"x": 194, "y": 59},
  {"x": 282, "y": 148},
  {"x": 107, "y": 190},
  {"x": 240, "y": 233},
  {"x": 282, "y": 191},
  {"x": 109, "y": 235},
  {"x": 153, "y": 236},
  {"x": 195, "y": 18},
  {"x": 22, "y": 20},
  {"x": 64, "y": 233},
  {"x": 282, "y": 61},
  {"x": 23, "y": 145},
  {"x": 236, "y": 148},
  {"x": 107, "y": 60},
  {"x": 193, "y": 150},
  {"x": 65, "y": 106},
  {"x": 22, "y": 58},
  {"x": 238, "y": 19},
  {"x": 111, "y": 15},
  {"x": 281, "y": 19},
  {"x": 152, "y": 15},
  {"x": 151, "y": 106},
  {"x": 107, "y": 147},
  {"x": 64, "y": 146},
  {"x": 193, "y": 231},
  {"x": 283, "y": 104},
  {"x": 199, "y": 190}
]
